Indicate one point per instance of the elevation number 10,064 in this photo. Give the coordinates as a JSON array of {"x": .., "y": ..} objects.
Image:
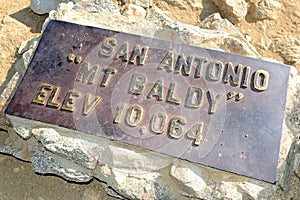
[{"x": 159, "y": 122}]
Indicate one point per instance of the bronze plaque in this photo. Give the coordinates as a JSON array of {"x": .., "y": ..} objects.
[{"x": 204, "y": 106}]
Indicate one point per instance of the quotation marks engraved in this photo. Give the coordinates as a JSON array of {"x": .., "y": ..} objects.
[
  {"x": 73, "y": 58},
  {"x": 230, "y": 95},
  {"x": 238, "y": 96}
]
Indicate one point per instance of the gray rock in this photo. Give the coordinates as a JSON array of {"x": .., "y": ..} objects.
[
  {"x": 293, "y": 118},
  {"x": 46, "y": 163},
  {"x": 290, "y": 181},
  {"x": 44, "y": 6},
  {"x": 233, "y": 10},
  {"x": 80, "y": 151},
  {"x": 265, "y": 9},
  {"x": 27, "y": 45},
  {"x": 288, "y": 47},
  {"x": 10, "y": 142}
]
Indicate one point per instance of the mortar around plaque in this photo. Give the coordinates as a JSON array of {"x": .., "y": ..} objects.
[{"x": 204, "y": 106}]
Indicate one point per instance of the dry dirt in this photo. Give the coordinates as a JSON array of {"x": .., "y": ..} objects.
[{"x": 17, "y": 180}]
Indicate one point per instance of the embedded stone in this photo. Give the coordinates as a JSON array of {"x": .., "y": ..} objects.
[
  {"x": 23, "y": 132},
  {"x": 124, "y": 158},
  {"x": 29, "y": 44},
  {"x": 80, "y": 151},
  {"x": 193, "y": 180},
  {"x": 140, "y": 185},
  {"x": 45, "y": 163}
]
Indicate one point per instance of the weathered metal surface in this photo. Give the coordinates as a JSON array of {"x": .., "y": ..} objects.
[{"x": 225, "y": 111}]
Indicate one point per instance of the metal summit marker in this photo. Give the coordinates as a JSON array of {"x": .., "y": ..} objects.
[{"x": 204, "y": 106}]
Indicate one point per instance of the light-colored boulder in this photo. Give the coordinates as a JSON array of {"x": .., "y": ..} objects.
[
  {"x": 22, "y": 132},
  {"x": 265, "y": 9},
  {"x": 132, "y": 10},
  {"x": 205, "y": 183},
  {"x": 235, "y": 42},
  {"x": 135, "y": 186},
  {"x": 233, "y": 10},
  {"x": 193, "y": 180}
]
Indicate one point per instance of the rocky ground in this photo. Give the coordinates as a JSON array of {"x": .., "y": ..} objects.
[
  {"x": 273, "y": 31},
  {"x": 272, "y": 28}
]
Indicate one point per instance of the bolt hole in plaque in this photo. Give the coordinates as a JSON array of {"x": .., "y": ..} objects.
[{"x": 209, "y": 107}]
